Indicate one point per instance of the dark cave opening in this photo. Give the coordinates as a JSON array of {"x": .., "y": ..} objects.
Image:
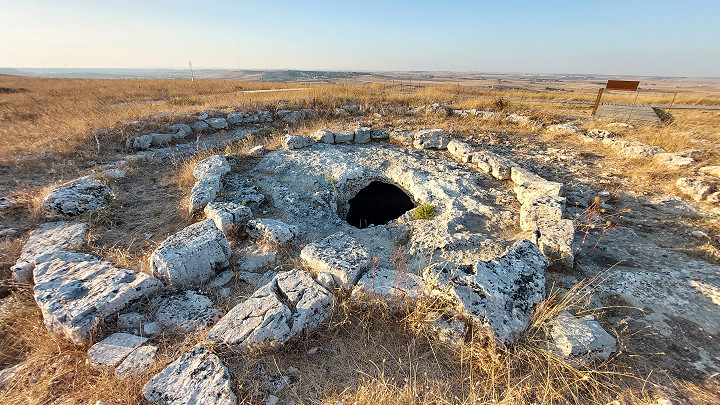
[{"x": 377, "y": 204}]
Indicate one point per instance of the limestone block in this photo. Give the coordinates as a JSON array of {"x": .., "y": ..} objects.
[
  {"x": 292, "y": 142},
  {"x": 197, "y": 377},
  {"x": 582, "y": 339},
  {"x": 78, "y": 196},
  {"x": 338, "y": 254},
  {"x": 228, "y": 216},
  {"x": 430, "y": 139},
  {"x": 109, "y": 352},
  {"x": 290, "y": 305},
  {"x": 137, "y": 362},
  {"x": 192, "y": 255},
  {"x": 213, "y": 165},
  {"x": 271, "y": 230},
  {"x": 187, "y": 312}
]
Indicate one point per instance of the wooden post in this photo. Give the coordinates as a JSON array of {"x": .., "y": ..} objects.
[{"x": 597, "y": 101}]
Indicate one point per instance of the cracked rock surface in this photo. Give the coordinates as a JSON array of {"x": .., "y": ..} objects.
[
  {"x": 197, "y": 377},
  {"x": 338, "y": 254},
  {"x": 78, "y": 196},
  {"x": 192, "y": 255},
  {"x": 499, "y": 294},
  {"x": 290, "y": 305}
]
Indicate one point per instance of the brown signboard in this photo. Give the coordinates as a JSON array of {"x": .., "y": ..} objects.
[{"x": 627, "y": 85}]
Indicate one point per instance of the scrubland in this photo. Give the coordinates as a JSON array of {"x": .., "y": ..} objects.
[{"x": 52, "y": 130}]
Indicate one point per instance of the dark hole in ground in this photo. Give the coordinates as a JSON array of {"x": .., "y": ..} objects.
[{"x": 377, "y": 204}]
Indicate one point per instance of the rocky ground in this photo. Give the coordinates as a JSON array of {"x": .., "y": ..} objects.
[{"x": 259, "y": 256}]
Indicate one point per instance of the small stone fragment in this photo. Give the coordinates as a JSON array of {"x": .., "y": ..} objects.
[
  {"x": 137, "y": 362},
  {"x": 292, "y": 142},
  {"x": 323, "y": 136},
  {"x": 78, "y": 196},
  {"x": 228, "y": 216},
  {"x": 217, "y": 123},
  {"x": 187, "y": 312},
  {"x": 344, "y": 136},
  {"x": 581, "y": 338},
  {"x": 430, "y": 139},
  {"x": 271, "y": 230},
  {"x": 109, "y": 352}
]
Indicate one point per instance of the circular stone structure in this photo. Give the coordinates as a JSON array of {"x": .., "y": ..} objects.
[{"x": 314, "y": 188}]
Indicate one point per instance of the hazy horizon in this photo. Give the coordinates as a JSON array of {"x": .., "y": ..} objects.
[{"x": 641, "y": 38}]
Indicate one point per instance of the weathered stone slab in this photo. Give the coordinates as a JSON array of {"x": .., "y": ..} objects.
[
  {"x": 430, "y": 139},
  {"x": 254, "y": 258},
  {"x": 290, "y": 305},
  {"x": 180, "y": 131},
  {"x": 556, "y": 239},
  {"x": 363, "y": 134},
  {"x": 323, "y": 136},
  {"x": 582, "y": 339},
  {"x": 271, "y": 230},
  {"x": 203, "y": 192},
  {"x": 344, "y": 136},
  {"x": 142, "y": 142},
  {"x": 213, "y": 165},
  {"x": 192, "y": 255},
  {"x": 393, "y": 287},
  {"x": 711, "y": 170},
  {"x": 401, "y": 136},
  {"x": 46, "y": 239},
  {"x": 696, "y": 188},
  {"x": 492, "y": 164},
  {"x": 543, "y": 209},
  {"x": 78, "y": 196},
  {"x": 563, "y": 129},
  {"x": 641, "y": 151},
  {"x": 111, "y": 351},
  {"x": 521, "y": 176},
  {"x": 161, "y": 139},
  {"x": 137, "y": 362},
  {"x": 187, "y": 312},
  {"x": 199, "y": 126},
  {"x": 460, "y": 150},
  {"x": 499, "y": 294},
  {"x": 338, "y": 254},
  {"x": 291, "y": 142},
  {"x": 228, "y": 216},
  {"x": 673, "y": 160},
  {"x": 197, "y": 377},
  {"x": 532, "y": 190},
  {"x": 449, "y": 329},
  {"x": 75, "y": 291}
]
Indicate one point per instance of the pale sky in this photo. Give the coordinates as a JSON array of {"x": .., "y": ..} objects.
[{"x": 664, "y": 38}]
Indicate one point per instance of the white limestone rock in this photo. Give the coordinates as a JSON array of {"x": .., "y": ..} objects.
[
  {"x": 192, "y": 255},
  {"x": 696, "y": 188},
  {"x": 363, "y": 134},
  {"x": 344, "y": 136},
  {"x": 401, "y": 136},
  {"x": 75, "y": 291},
  {"x": 187, "y": 312},
  {"x": 203, "y": 192},
  {"x": 271, "y": 230},
  {"x": 521, "y": 176},
  {"x": 555, "y": 241},
  {"x": 213, "y": 165},
  {"x": 599, "y": 134},
  {"x": 323, "y": 136},
  {"x": 499, "y": 294},
  {"x": 711, "y": 170},
  {"x": 137, "y": 362},
  {"x": 292, "y": 117},
  {"x": 78, "y": 196},
  {"x": 111, "y": 351},
  {"x": 130, "y": 321},
  {"x": 524, "y": 120},
  {"x": 256, "y": 280},
  {"x": 581, "y": 339},
  {"x": 460, "y": 150},
  {"x": 530, "y": 191},
  {"x": 430, "y": 139},
  {"x": 44, "y": 241},
  {"x": 492, "y": 164},
  {"x": 379, "y": 134},
  {"x": 542, "y": 209},
  {"x": 197, "y": 377},
  {"x": 397, "y": 289},
  {"x": 217, "y": 123},
  {"x": 257, "y": 151},
  {"x": 292, "y": 142},
  {"x": 228, "y": 216},
  {"x": 338, "y": 254},
  {"x": 290, "y": 305}
]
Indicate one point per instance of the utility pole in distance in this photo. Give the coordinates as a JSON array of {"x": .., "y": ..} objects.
[{"x": 192, "y": 75}]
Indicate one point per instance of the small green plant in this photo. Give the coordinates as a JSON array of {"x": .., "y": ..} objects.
[
  {"x": 330, "y": 179},
  {"x": 425, "y": 211}
]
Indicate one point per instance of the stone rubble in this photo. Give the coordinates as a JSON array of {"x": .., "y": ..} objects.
[
  {"x": 111, "y": 351},
  {"x": 191, "y": 256},
  {"x": 291, "y": 142},
  {"x": 430, "y": 139},
  {"x": 77, "y": 196},
  {"x": 290, "y": 305},
  {"x": 228, "y": 216},
  {"x": 197, "y": 377},
  {"x": 499, "y": 294}
]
